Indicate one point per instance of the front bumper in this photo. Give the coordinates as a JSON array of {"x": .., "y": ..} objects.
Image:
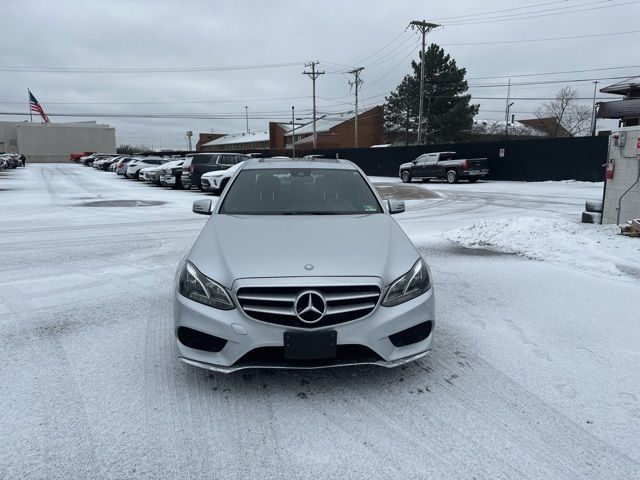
[
  {"x": 244, "y": 335},
  {"x": 210, "y": 184},
  {"x": 168, "y": 179}
]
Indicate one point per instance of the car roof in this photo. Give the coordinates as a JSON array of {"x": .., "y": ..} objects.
[{"x": 262, "y": 163}]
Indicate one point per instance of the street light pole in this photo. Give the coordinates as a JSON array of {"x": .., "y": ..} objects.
[{"x": 246, "y": 115}]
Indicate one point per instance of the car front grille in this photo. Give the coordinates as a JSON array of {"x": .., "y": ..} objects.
[{"x": 276, "y": 304}]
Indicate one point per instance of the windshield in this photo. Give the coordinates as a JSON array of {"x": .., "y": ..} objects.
[{"x": 295, "y": 191}]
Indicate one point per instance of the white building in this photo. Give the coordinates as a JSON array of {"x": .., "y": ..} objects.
[
  {"x": 54, "y": 142},
  {"x": 622, "y": 191}
]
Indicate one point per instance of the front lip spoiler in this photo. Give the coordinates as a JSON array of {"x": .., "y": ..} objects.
[{"x": 235, "y": 368}]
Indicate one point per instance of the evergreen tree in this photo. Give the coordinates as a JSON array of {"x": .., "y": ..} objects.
[{"x": 447, "y": 112}]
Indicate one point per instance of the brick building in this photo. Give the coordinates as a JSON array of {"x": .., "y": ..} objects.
[
  {"x": 332, "y": 131},
  {"x": 237, "y": 141}
]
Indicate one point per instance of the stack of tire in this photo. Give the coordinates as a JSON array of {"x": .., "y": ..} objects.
[{"x": 592, "y": 212}]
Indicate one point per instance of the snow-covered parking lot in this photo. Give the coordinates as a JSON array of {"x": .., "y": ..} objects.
[{"x": 534, "y": 372}]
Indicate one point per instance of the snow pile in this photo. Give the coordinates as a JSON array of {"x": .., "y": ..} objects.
[{"x": 595, "y": 248}]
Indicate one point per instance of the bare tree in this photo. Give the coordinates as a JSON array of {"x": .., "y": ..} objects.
[
  {"x": 131, "y": 149},
  {"x": 568, "y": 117}
]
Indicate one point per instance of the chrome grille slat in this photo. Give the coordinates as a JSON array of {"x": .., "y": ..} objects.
[
  {"x": 349, "y": 308},
  {"x": 334, "y": 297},
  {"x": 276, "y": 303},
  {"x": 273, "y": 310},
  {"x": 267, "y": 297}
]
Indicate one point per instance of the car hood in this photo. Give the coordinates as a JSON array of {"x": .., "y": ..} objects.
[
  {"x": 231, "y": 247},
  {"x": 214, "y": 173},
  {"x": 406, "y": 165}
]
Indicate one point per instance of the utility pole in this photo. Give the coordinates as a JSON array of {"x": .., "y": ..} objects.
[
  {"x": 506, "y": 109},
  {"x": 313, "y": 75},
  {"x": 246, "y": 115},
  {"x": 424, "y": 28},
  {"x": 356, "y": 82},
  {"x": 593, "y": 110},
  {"x": 293, "y": 132}
]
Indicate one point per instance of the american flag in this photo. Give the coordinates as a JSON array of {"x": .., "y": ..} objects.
[{"x": 34, "y": 106}]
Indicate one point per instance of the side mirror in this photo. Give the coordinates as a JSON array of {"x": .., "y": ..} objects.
[
  {"x": 395, "y": 206},
  {"x": 415, "y": 160},
  {"x": 203, "y": 207}
]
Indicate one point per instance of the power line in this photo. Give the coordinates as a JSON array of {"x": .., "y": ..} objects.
[
  {"x": 158, "y": 115},
  {"x": 542, "y": 15},
  {"x": 502, "y": 42},
  {"x": 13, "y": 68},
  {"x": 176, "y": 102},
  {"x": 525, "y": 14},
  {"x": 439, "y": 19},
  {"x": 381, "y": 49}
]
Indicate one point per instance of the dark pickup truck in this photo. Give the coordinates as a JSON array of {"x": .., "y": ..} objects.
[
  {"x": 200, "y": 163},
  {"x": 444, "y": 165}
]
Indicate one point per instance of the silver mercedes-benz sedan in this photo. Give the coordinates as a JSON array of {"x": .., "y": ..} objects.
[{"x": 302, "y": 266}]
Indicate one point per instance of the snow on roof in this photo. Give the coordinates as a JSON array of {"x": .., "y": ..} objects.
[
  {"x": 235, "y": 138},
  {"x": 323, "y": 125},
  {"x": 623, "y": 86}
]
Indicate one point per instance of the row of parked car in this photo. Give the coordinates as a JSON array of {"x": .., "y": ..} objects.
[
  {"x": 10, "y": 160},
  {"x": 209, "y": 172}
]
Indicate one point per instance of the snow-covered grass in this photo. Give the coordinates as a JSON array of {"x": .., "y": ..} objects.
[{"x": 533, "y": 373}]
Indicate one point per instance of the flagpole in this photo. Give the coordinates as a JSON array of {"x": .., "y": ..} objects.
[{"x": 29, "y": 103}]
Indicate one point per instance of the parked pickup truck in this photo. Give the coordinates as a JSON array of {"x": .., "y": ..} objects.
[
  {"x": 201, "y": 163},
  {"x": 444, "y": 165}
]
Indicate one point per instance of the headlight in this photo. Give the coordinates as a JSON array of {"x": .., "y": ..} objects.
[
  {"x": 410, "y": 285},
  {"x": 200, "y": 288}
]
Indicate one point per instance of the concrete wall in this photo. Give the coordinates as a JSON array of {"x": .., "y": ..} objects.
[
  {"x": 625, "y": 174},
  {"x": 8, "y": 137},
  {"x": 55, "y": 142}
]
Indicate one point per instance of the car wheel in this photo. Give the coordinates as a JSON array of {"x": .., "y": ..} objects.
[
  {"x": 406, "y": 177},
  {"x": 473, "y": 179},
  {"x": 452, "y": 176}
]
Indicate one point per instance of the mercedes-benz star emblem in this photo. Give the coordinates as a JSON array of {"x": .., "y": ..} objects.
[
  {"x": 310, "y": 306},
  {"x": 308, "y": 266}
]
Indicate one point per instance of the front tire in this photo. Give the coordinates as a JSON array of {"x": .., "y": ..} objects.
[
  {"x": 452, "y": 176},
  {"x": 406, "y": 177}
]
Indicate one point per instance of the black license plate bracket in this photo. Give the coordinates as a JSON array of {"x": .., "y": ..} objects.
[{"x": 310, "y": 345}]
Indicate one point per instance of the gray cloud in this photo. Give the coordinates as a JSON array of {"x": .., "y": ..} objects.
[{"x": 162, "y": 34}]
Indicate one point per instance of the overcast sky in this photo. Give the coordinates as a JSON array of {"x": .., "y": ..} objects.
[{"x": 187, "y": 34}]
